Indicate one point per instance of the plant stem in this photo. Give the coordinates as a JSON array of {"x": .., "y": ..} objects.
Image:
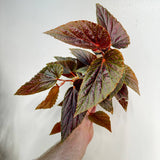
[
  {"x": 65, "y": 80},
  {"x": 73, "y": 74}
]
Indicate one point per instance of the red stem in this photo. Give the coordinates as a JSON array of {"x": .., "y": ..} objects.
[
  {"x": 62, "y": 83},
  {"x": 73, "y": 74},
  {"x": 65, "y": 80}
]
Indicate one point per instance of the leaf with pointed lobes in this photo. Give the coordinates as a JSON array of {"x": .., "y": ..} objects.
[
  {"x": 100, "y": 80},
  {"x": 68, "y": 122},
  {"x": 50, "y": 99},
  {"x": 101, "y": 118},
  {"x": 131, "y": 79},
  {"x": 45, "y": 79},
  {"x": 56, "y": 128},
  {"x": 83, "y": 56},
  {"x": 107, "y": 105},
  {"x": 122, "y": 97},
  {"x": 119, "y": 36},
  {"x": 69, "y": 65},
  {"x": 83, "y": 34}
]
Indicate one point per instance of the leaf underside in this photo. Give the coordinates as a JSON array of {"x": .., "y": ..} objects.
[
  {"x": 100, "y": 80},
  {"x": 122, "y": 97},
  {"x": 101, "y": 118},
  {"x": 50, "y": 99},
  {"x": 131, "y": 80},
  {"x": 83, "y": 34},
  {"x": 119, "y": 36},
  {"x": 68, "y": 122},
  {"x": 45, "y": 79},
  {"x": 56, "y": 128}
]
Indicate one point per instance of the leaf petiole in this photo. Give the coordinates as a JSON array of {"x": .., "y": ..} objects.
[{"x": 65, "y": 80}]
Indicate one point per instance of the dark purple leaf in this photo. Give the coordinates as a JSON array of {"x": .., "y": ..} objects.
[
  {"x": 50, "y": 99},
  {"x": 100, "y": 80},
  {"x": 107, "y": 105},
  {"x": 119, "y": 36},
  {"x": 83, "y": 56},
  {"x": 101, "y": 119},
  {"x": 130, "y": 79},
  {"x": 68, "y": 122},
  {"x": 83, "y": 34},
  {"x": 77, "y": 83},
  {"x": 122, "y": 97},
  {"x": 45, "y": 79}
]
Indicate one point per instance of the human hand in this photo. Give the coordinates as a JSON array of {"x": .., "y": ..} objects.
[{"x": 74, "y": 147}]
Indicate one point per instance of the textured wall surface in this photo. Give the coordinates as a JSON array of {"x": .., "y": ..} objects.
[{"x": 24, "y": 50}]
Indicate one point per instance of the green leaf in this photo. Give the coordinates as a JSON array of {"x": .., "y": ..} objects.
[
  {"x": 45, "y": 79},
  {"x": 118, "y": 87},
  {"x": 119, "y": 36},
  {"x": 83, "y": 56},
  {"x": 56, "y": 128},
  {"x": 82, "y": 70},
  {"x": 68, "y": 122},
  {"x": 83, "y": 34},
  {"x": 122, "y": 97},
  {"x": 69, "y": 65},
  {"x": 107, "y": 105},
  {"x": 101, "y": 119},
  {"x": 58, "y": 58},
  {"x": 100, "y": 80},
  {"x": 130, "y": 79},
  {"x": 50, "y": 99}
]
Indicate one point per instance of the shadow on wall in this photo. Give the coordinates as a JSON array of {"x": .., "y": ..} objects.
[{"x": 7, "y": 148}]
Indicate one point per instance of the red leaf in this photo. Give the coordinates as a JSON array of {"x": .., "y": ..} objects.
[
  {"x": 119, "y": 37},
  {"x": 60, "y": 104},
  {"x": 122, "y": 97},
  {"x": 50, "y": 99},
  {"x": 68, "y": 122},
  {"x": 83, "y": 34},
  {"x": 101, "y": 119},
  {"x": 45, "y": 79},
  {"x": 56, "y": 128}
]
